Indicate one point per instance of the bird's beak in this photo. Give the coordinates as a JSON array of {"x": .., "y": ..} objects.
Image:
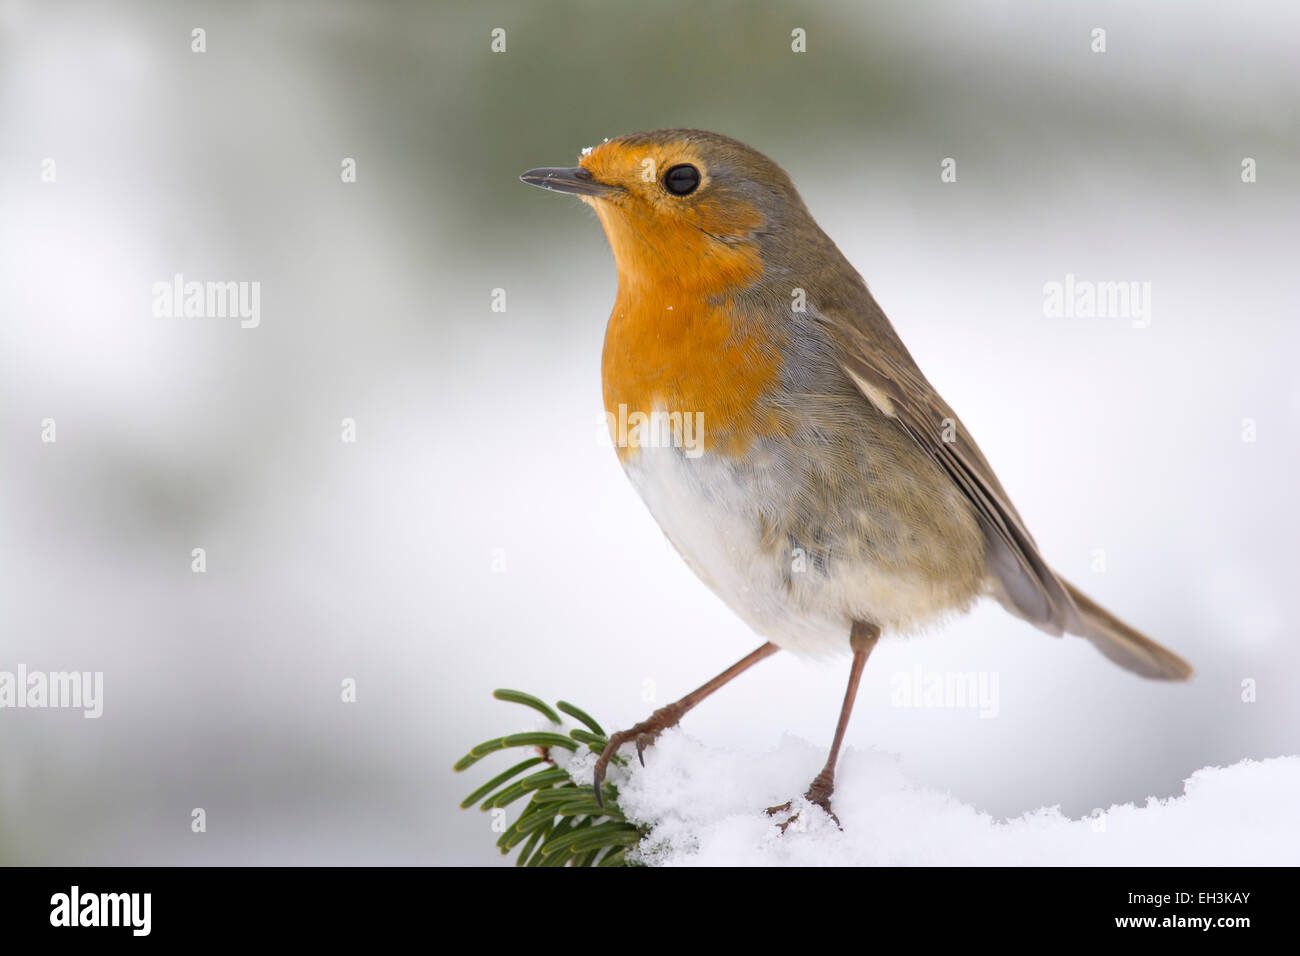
[{"x": 569, "y": 179}]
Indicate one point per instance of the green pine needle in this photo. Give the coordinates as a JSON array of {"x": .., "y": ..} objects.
[
  {"x": 536, "y": 738},
  {"x": 497, "y": 781},
  {"x": 579, "y": 714},
  {"x": 528, "y": 700},
  {"x": 562, "y": 824}
]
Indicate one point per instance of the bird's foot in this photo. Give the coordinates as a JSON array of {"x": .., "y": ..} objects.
[
  {"x": 643, "y": 735},
  {"x": 819, "y": 793}
]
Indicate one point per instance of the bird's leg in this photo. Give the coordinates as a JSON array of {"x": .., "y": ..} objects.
[
  {"x": 644, "y": 733},
  {"x": 862, "y": 638}
]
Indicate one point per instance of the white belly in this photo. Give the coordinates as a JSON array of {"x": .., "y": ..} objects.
[{"x": 726, "y": 520}]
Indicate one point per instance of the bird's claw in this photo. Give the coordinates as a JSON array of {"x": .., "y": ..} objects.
[
  {"x": 819, "y": 794},
  {"x": 643, "y": 735}
]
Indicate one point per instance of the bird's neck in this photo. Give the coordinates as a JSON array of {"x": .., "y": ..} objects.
[{"x": 678, "y": 258}]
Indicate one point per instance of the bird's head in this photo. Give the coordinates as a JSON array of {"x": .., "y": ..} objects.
[{"x": 684, "y": 208}]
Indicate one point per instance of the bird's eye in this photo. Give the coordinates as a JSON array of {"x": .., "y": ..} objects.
[{"x": 682, "y": 179}]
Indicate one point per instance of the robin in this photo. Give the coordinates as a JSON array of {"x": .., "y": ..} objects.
[{"x": 827, "y": 493}]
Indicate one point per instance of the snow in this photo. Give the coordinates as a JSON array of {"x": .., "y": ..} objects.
[{"x": 705, "y": 807}]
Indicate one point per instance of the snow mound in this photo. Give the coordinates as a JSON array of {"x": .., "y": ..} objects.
[{"x": 705, "y": 808}]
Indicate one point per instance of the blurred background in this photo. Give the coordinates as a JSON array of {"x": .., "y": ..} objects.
[{"x": 479, "y": 533}]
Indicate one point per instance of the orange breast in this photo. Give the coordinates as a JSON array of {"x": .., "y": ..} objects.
[
  {"x": 670, "y": 352},
  {"x": 677, "y": 342}
]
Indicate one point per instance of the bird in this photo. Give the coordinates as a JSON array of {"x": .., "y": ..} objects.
[{"x": 783, "y": 437}]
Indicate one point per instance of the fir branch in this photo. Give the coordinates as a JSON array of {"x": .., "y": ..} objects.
[{"x": 562, "y": 824}]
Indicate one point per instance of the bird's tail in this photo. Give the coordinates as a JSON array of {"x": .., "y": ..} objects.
[{"x": 1123, "y": 645}]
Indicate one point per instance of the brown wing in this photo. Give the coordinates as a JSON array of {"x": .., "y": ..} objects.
[{"x": 871, "y": 353}]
